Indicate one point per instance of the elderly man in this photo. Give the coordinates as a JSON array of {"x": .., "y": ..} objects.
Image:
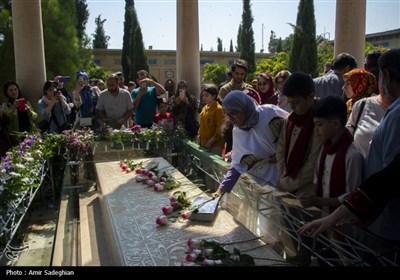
[{"x": 115, "y": 106}]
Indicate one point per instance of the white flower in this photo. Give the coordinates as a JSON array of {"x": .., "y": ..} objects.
[
  {"x": 20, "y": 166},
  {"x": 14, "y": 174}
]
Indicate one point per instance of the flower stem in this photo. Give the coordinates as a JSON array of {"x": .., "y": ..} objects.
[{"x": 243, "y": 241}]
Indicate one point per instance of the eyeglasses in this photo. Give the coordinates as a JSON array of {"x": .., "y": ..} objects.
[{"x": 262, "y": 84}]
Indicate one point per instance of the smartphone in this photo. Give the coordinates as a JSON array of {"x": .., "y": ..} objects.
[
  {"x": 64, "y": 79},
  {"x": 22, "y": 104},
  {"x": 143, "y": 85}
]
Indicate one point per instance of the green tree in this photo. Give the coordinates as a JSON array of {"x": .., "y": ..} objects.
[
  {"x": 82, "y": 14},
  {"x": 214, "y": 73},
  {"x": 231, "y": 47},
  {"x": 277, "y": 45},
  {"x": 138, "y": 56},
  {"x": 100, "y": 39},
  {"x": 7, "y": 65},
  {"x": 219, "y": 46},
  {"x": 247, "y": 37},
  {"x": 303, "y": 54},
  {"x": 128, "y": 24},
  {"x": 273, "y": 64},
  {"x": 238, "y": 41},
  {"x": 61, "y": 44}
]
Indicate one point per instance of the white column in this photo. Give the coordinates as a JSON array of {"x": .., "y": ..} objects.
[
  {"x": 30, "y": 64},
  {"x": 187, "y": 45},
  {"x": 350, "y": 28}
]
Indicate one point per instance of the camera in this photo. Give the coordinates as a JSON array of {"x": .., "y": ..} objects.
[{"x": 56, "y": 91}]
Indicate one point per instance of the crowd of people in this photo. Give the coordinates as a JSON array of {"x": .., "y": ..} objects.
[{"x": 326, "y": 140}]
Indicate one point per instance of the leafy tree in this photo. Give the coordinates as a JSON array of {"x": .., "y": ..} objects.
[
  {"x": 100, "y": 40},
  {"x": 231, "y": 47},
  {"x": 128, "y": 24},
  {"x": 219, "y": 46},
  {"x": 325, "y": 53},
  {"x": 82, "y": 14},
  {"x": 247, "y": 37},
  {"x": 61, "y": 44},
  {"x": 279, "y": 48},
  {"x": 303, "y": 54},
  {"x": 277, "y": 45},
  {"x": 214, "y": 73},
  {"x": 273, "y": 64},
  {"x": 7, "y": 65}
]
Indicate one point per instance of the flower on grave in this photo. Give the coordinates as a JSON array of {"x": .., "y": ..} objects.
[
  {"x": 161, "y": 220},
  {"x": 158, "y": 187},
  {"x": 211, "y": 253},
  {"x": 186, "y": 214},
  {"x": 167, "y": 210},
  {"x": 150, "y": 176}
]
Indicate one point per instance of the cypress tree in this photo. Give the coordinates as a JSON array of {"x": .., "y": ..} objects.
[
  {"x": 231, "y": 47},
  {"x": 219, "y": 46},
  {"x": 247, "y": 47},
  {"x": 238, "y": 41},
  {"x": 303, "y": 53},
  {"x": 100, "y": 40},
  {"x": 137, "y": 52},
  {"x": 128, "y": 24},
  {"x": 82, "y": 16}
]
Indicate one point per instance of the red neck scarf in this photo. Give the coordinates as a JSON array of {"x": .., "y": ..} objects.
[
  {"x": 337, "y": 183},
  {"x": 297, "y": 155}
]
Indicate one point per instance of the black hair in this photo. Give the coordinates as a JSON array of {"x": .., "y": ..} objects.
[
  {"x": 342, "y": 60},
  {"x": 6, "y": 85},
  {"x": 371, "y": 63},
  {"x": 239, "y": 63},
  {"x": 390, "y": 61},
  {"x": 298, "y": 84},
  {"x": 329, "y": 108}
]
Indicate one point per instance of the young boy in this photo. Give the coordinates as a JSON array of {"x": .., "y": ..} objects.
[
  {"x": 298, "y": 145},
  {"x": 297, "y": 152},
  {"x": 163, "y": 118},
  {"x": 339, "y": 165}
]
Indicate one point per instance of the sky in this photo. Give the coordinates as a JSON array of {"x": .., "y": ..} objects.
[{"x": 221, "y": 18}]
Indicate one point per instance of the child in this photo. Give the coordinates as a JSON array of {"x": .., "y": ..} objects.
[
  {"x": 298, "y": 145},
  {"x": 339, "y": 166},
  {"x": 163, "y": 118},
  {"x": 211, "y": 119}
]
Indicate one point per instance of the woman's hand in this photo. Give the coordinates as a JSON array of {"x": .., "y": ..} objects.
[{"x": 218, "y": 193}]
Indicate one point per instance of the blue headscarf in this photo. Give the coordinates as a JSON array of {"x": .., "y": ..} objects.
[{"x": 239, "y": 101}]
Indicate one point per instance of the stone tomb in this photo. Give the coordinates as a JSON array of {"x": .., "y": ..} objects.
[{"x": 130, "y": 209}]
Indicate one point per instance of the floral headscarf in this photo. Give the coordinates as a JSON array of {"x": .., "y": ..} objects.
[
  {"x": 362, "y": 82},
  {"x": 239, "y": 101}
]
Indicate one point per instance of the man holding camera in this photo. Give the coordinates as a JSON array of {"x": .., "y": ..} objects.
[{"x": 145, "y": 99}]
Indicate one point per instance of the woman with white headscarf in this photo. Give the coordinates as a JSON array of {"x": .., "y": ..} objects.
[{"x": 254, "y": 139}]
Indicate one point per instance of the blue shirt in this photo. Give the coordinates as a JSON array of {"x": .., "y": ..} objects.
[{"x": 146, "y": 111}]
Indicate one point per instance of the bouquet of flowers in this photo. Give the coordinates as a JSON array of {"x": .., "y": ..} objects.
[
  {"x": 150, "y": 176},
  {"x": 210, "y": 253},
  {"x": 180, "y": 208}
]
